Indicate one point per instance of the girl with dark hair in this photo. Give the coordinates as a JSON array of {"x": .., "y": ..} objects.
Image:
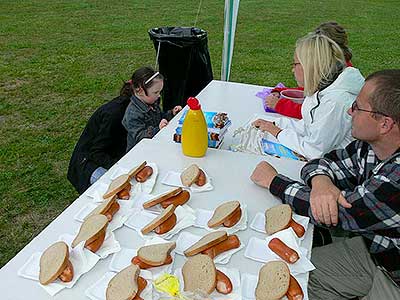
[
  {"x": 102, "y": 142},
  {"x": 143, "y": 117}
]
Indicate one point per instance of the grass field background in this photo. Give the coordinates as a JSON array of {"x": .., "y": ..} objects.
[{"x": 60, "y": 60}]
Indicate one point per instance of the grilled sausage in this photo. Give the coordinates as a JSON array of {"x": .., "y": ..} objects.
[
  {"x": 237, "y": 214},
  {"x": 96, "y": 244},
  {"x": 68, "y": 273},
  {"x": 176, "y": 200},
  {"x": 231, "y": 242},
  {"x": 111, "y": 211},
  {"x": 297, "y": 228},
  {"x": 224, "y": 284},
  {"x": 167, "y": 225},
  {"x": 283, "y": 251},
  {"x": 294, "y": 292},
  {"x": 144, "y": 174}
]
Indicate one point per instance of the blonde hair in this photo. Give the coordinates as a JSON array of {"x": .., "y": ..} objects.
[{"x": 322, "y": 61}]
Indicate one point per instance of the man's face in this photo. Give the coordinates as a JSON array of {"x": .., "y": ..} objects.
[{"x": 364, "y": 125}]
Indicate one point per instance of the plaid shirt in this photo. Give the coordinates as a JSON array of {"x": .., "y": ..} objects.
[{"x": 370, "y": 185}]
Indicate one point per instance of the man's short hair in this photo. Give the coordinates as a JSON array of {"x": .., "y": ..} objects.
[{"x": 386, "y": 95}]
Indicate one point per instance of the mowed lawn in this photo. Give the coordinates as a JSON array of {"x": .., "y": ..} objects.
[{"x": 60, "y": 60}]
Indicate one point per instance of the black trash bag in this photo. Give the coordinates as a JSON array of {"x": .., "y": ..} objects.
[{"x": 183, "y": 60}]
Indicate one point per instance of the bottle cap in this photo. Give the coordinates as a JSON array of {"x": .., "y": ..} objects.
[{"x": 193, "y": 103}]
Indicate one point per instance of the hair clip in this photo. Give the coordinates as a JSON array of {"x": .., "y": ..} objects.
[{"x": 152, "y": 77}]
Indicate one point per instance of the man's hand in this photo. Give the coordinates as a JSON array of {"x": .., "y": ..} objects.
[
  {"x": 272, "y": 99},
  {"x": 263, "y": 174},
  {"x": 324, "y": 199},
  {"x": 176, "y": 109},
  {"x": 267, "y": 126},
  {"x": 163, "y": 123}
]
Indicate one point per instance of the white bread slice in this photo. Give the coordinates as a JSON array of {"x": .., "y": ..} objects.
[
  {"x": 90, "y": 229},
  {"x": 155, "y": 255},
  {"x": 199, "y": 274},
  {"x": 123, "y": 286},
  {"x": 273, "y": 281},
  {"x": 162, "y": 197},
  {"x": 165, "y": 214},
  {"x": 190, "y": 175},
  {"x": 132, "y": 173},
  {"x": 53, "y": 262},
  {"x": 206, "y": 242},
  {"x": 103, "y": 207},
  {"x": 223, "y": 213},
  {"x": 117, "y": 185},
  {"x": 277, "y": 218}
]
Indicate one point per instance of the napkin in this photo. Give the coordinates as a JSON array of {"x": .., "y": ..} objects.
[
  {"x": 98, "y": 290},
  {"x": 257, "y": 249},
  {"x": 203, "y": 216},
  {"x": 140, "y": 218},
  {"x": 123, "y": 259},
  {"x": 234, "y": 276},
  {"x": 187, "y": 239},
  {"x": 258, "y": 223},
  {"x": 249, "y": 284},
  {"x": 97, "y": 190},
  {"x": 82, "y": 263},
  {"x": 174, "y": 179},
  {"x": 119, "y": 217}
]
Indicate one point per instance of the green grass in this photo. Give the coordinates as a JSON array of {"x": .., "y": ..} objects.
[{"x": 59, "y": 60}]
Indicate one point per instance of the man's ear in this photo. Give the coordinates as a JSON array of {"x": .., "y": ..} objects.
[{"x": 387, "y": 124}]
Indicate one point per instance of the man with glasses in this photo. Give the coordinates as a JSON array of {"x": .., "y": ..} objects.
[{"x": 357, "y": 189}]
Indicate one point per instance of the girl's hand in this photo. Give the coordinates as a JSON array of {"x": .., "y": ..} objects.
[
  {"x": 272, "y": 99},
  {"x": 176, "y": 109},
  {"x": 267, "y": 126},
  {"x": 163, "y": 123}
]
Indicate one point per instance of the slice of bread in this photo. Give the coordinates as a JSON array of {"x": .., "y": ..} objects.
[
  {"x": 190, "y": 175},
  {"x": 53, "y": 262},
  {"x": 165, "y": 214},
  {"x": 132, "y": 173},
  {"x": 162, "y": 197},
  {"x": 223, "y": 213},
  {"x": 117, "y": 185},
  {"x": 273, "y": 281},
  {"x": 123, "y": 286},
  {"x": 277, "y": 218},
  {"x": 103, "y": 207},
  {"x": 155, "y": 255},
  {"x": 206, "y": 242},
  {"x": 199, "y": 274},
  {"x": 90, "y": 229}
]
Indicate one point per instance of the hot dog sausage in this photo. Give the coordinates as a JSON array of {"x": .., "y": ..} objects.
[
  {"x": 176, "y": 200},
  {"x": 111, "y": 211},
  {"x": 237, "y": 214},
  {"x": 136, "y": 261},
  {"x": 144, "y": 174},
  {"x": 142, "y": 283},
  {"x": 201, "y": 180},
  {"x": 231, "y": 242},
  {"x": 283, "y": 251},
  {"x": 224, "y": 284},
  {"x": 68, "y": 273},
  {"x": 96, "y": 244},
  {"x": 167, "y": 225},
  {"x": 297, "y": 228},
  {"x": 294, "y": 292}
]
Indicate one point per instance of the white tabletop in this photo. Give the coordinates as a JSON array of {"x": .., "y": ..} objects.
[{"x": 230, "y": 172}]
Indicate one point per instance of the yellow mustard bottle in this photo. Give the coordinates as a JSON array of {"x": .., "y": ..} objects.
[{"x": 194, "y": 130}]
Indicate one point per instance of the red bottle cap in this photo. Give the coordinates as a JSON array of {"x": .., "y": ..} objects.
[{"x": 193, "y": 103}]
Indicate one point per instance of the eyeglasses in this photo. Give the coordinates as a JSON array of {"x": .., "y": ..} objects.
[
  {"x": 294, "y": 64},
  {"x": 355, "y": 107}
]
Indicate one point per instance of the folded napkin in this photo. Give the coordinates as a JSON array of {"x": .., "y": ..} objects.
[
  {"x": 123, "y": 258},
  {"x": 140, "y": 218},
  {"x": 234, "y": 276},
  {"x": 81, "y": 260},
  {"x": 174, "y": 179},
  {"x": 98, "y": 290},
  {"x": 258, "y": 223},
  {"x": 187, "y": 239},
  {"x": 203, "y": 216},
  {"x": 257, "y": 249}
]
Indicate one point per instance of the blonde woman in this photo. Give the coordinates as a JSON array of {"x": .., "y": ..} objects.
[{"x": 329, "y": 88}]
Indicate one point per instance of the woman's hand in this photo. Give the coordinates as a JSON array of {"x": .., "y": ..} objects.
[
  {"x": 163, "y": 123},
  {"x": 267, "y": 126},
  {"x": 272, "y": 99},
  {"x": 176, "y": 109}
]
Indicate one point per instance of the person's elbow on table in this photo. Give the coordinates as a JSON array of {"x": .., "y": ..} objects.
[{"x": 263, "y": 174}]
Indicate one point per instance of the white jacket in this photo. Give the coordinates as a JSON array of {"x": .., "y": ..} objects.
[{"x": 330, "y": 127}]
